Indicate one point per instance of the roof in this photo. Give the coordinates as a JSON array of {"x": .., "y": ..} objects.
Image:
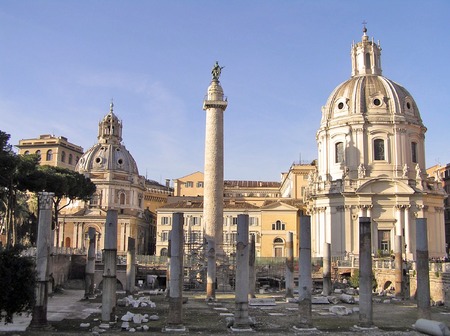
[
  {"x": 198, "y": 204},
  {"x": 251, "y": 184}
]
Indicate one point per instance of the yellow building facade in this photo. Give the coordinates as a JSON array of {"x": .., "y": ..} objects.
[{"x": 52, "y": 150}]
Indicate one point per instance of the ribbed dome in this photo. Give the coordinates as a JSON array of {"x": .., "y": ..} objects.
[
  {"x": 372, "y": 97},
  {"x": 108, "y": 154},
  {"x": 107, "y": 157}
]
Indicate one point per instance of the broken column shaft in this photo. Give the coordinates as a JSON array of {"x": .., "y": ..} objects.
[
  {"x": 110, "y": 267},
  {"x": 365, "y": 273},
  {"x": 175, "y": 316},
  {"x": 289, "y": 272},
  {"x": 39, "y": 315},
  {"x": 241, "y": 320},
  {"x": 305, "y": 277},
  {"x": 423, "y": 269}
]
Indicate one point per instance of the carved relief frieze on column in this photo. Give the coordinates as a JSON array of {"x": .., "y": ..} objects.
[{"x": 45, "y": 200}]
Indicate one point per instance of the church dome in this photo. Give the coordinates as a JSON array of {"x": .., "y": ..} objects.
[
  {"x": 372, "y": 97},
  {"x": 109, "y": 154},
  {"x": 371, "y": 125},
  {"x": 108, "y": 158},
  {"x": 367, "y": 94}
]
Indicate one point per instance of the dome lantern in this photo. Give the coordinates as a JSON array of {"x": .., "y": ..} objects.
[
  {"x": 110, "y": 128},
  {"x": 366, "y": 58}
]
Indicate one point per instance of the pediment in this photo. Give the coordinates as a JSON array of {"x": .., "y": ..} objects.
[
  {"x": 279, "y": 206},
  {"x": 385, "y": 186}
]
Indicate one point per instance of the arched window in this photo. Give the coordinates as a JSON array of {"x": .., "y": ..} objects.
[
  {"x": 70, "y": 158},
  {"x": 378, "y": 149},
  {"x": 122, "y": 198},
  {"x": 26, "y": 153},
  {"x": 63, "y": 156},
  {"x": 414, "y": 152},
  {"x": 368, "y": 63},
  {"x": 38, "y": 153},
  {"x": 163, "y": 252},
  {"x": 339, "y": 152},
  {"x": 278, "y": 225},
  {"x": 49, "y": 155}
]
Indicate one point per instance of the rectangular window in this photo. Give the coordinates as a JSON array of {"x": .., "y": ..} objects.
[
  {"x": 200, "y": 184},
  {"x": 165, "y": 220},
  {"x": 195, "y": 221},
  {"x": 384, "y": 242},
  {"x": 234, "y": 220},
  {"x": 339, "y": 152},
  {"x": 253, "y": 221},
  {"x": 414, "y": 152},
  {"x": 378, "y": 146},
  {"x": 278, "y": 252},
  {"x": 164, "y": 236},
  {"x": 189, "y": 184}
]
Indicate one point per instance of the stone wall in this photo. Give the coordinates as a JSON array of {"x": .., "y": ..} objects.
[
  {"x": 439, "y": 286},
  {"x": 60, "y": 265}
]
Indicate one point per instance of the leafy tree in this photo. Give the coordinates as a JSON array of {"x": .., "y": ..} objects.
[
  {"x": 18, "y": 279},
  {"x": 354, "y": 280},
  {"x": 17, "y": 174},
  {"x": 67, "y": 185}
]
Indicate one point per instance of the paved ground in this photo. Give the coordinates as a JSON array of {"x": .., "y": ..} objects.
[{"x": 66, "y": 311}]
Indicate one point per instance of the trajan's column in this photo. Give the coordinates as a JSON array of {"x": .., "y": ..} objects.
[{"x": 214, "y": 105}]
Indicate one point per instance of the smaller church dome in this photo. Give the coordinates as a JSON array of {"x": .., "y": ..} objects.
[{"x": 109, "y": 154}]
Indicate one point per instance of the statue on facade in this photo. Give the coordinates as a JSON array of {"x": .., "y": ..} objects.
[
  {"x": 216, "y": 70},
  {"x": 361, "y": 171},
  {"x": 418, "y": 172},
  {"x": 405, "y": 170}
]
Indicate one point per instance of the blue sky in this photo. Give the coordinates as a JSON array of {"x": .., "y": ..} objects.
[{"x": 63, "y": 61}]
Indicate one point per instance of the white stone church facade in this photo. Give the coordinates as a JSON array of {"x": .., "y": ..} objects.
[{"x": 371, "y": 163}]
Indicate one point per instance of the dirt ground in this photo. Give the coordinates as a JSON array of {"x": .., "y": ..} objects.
[{"x": 203, "y": 318}]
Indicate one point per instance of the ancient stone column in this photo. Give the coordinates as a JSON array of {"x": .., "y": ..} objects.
[
  {"x": 169, "y": 249},
  {"x": 289, "y": 273},
  {"x": 175, "y": 314},
  {"x": 304, "y": 277},
  {"x": 44, "y": 244},
  {"x": 131, "y": 265},
  {"x": 398, "y": 266},
  {"x": 251, "y": 268},
  {"x": 365, "y": 274},
  {"x": 214, "y": 105},
  {"x": 90, "y": 265},
  {"x": 326, "y": 270},
  {"x": 241, "y": 320},
  {"x": 110, "y": 267},
  {"x": 423, "y": 269}
]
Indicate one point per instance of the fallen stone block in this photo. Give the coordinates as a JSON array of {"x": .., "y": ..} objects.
[
  {"x": 431, "y": 327},
  {"x": 127, "y": 317},
  {"x": 85, "y": 325},
  {"x": 125, "y": 325},
  {"x": 347, "y": 298},
  {"x": 340, "y": 310},
  {"x": 333, "y": 299},
  {"x": 261, "y": 302},
  {"x": 319, "y": 300},
  {"x": 137, "y": 318},
  {"x": 153, "y": 318}
]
